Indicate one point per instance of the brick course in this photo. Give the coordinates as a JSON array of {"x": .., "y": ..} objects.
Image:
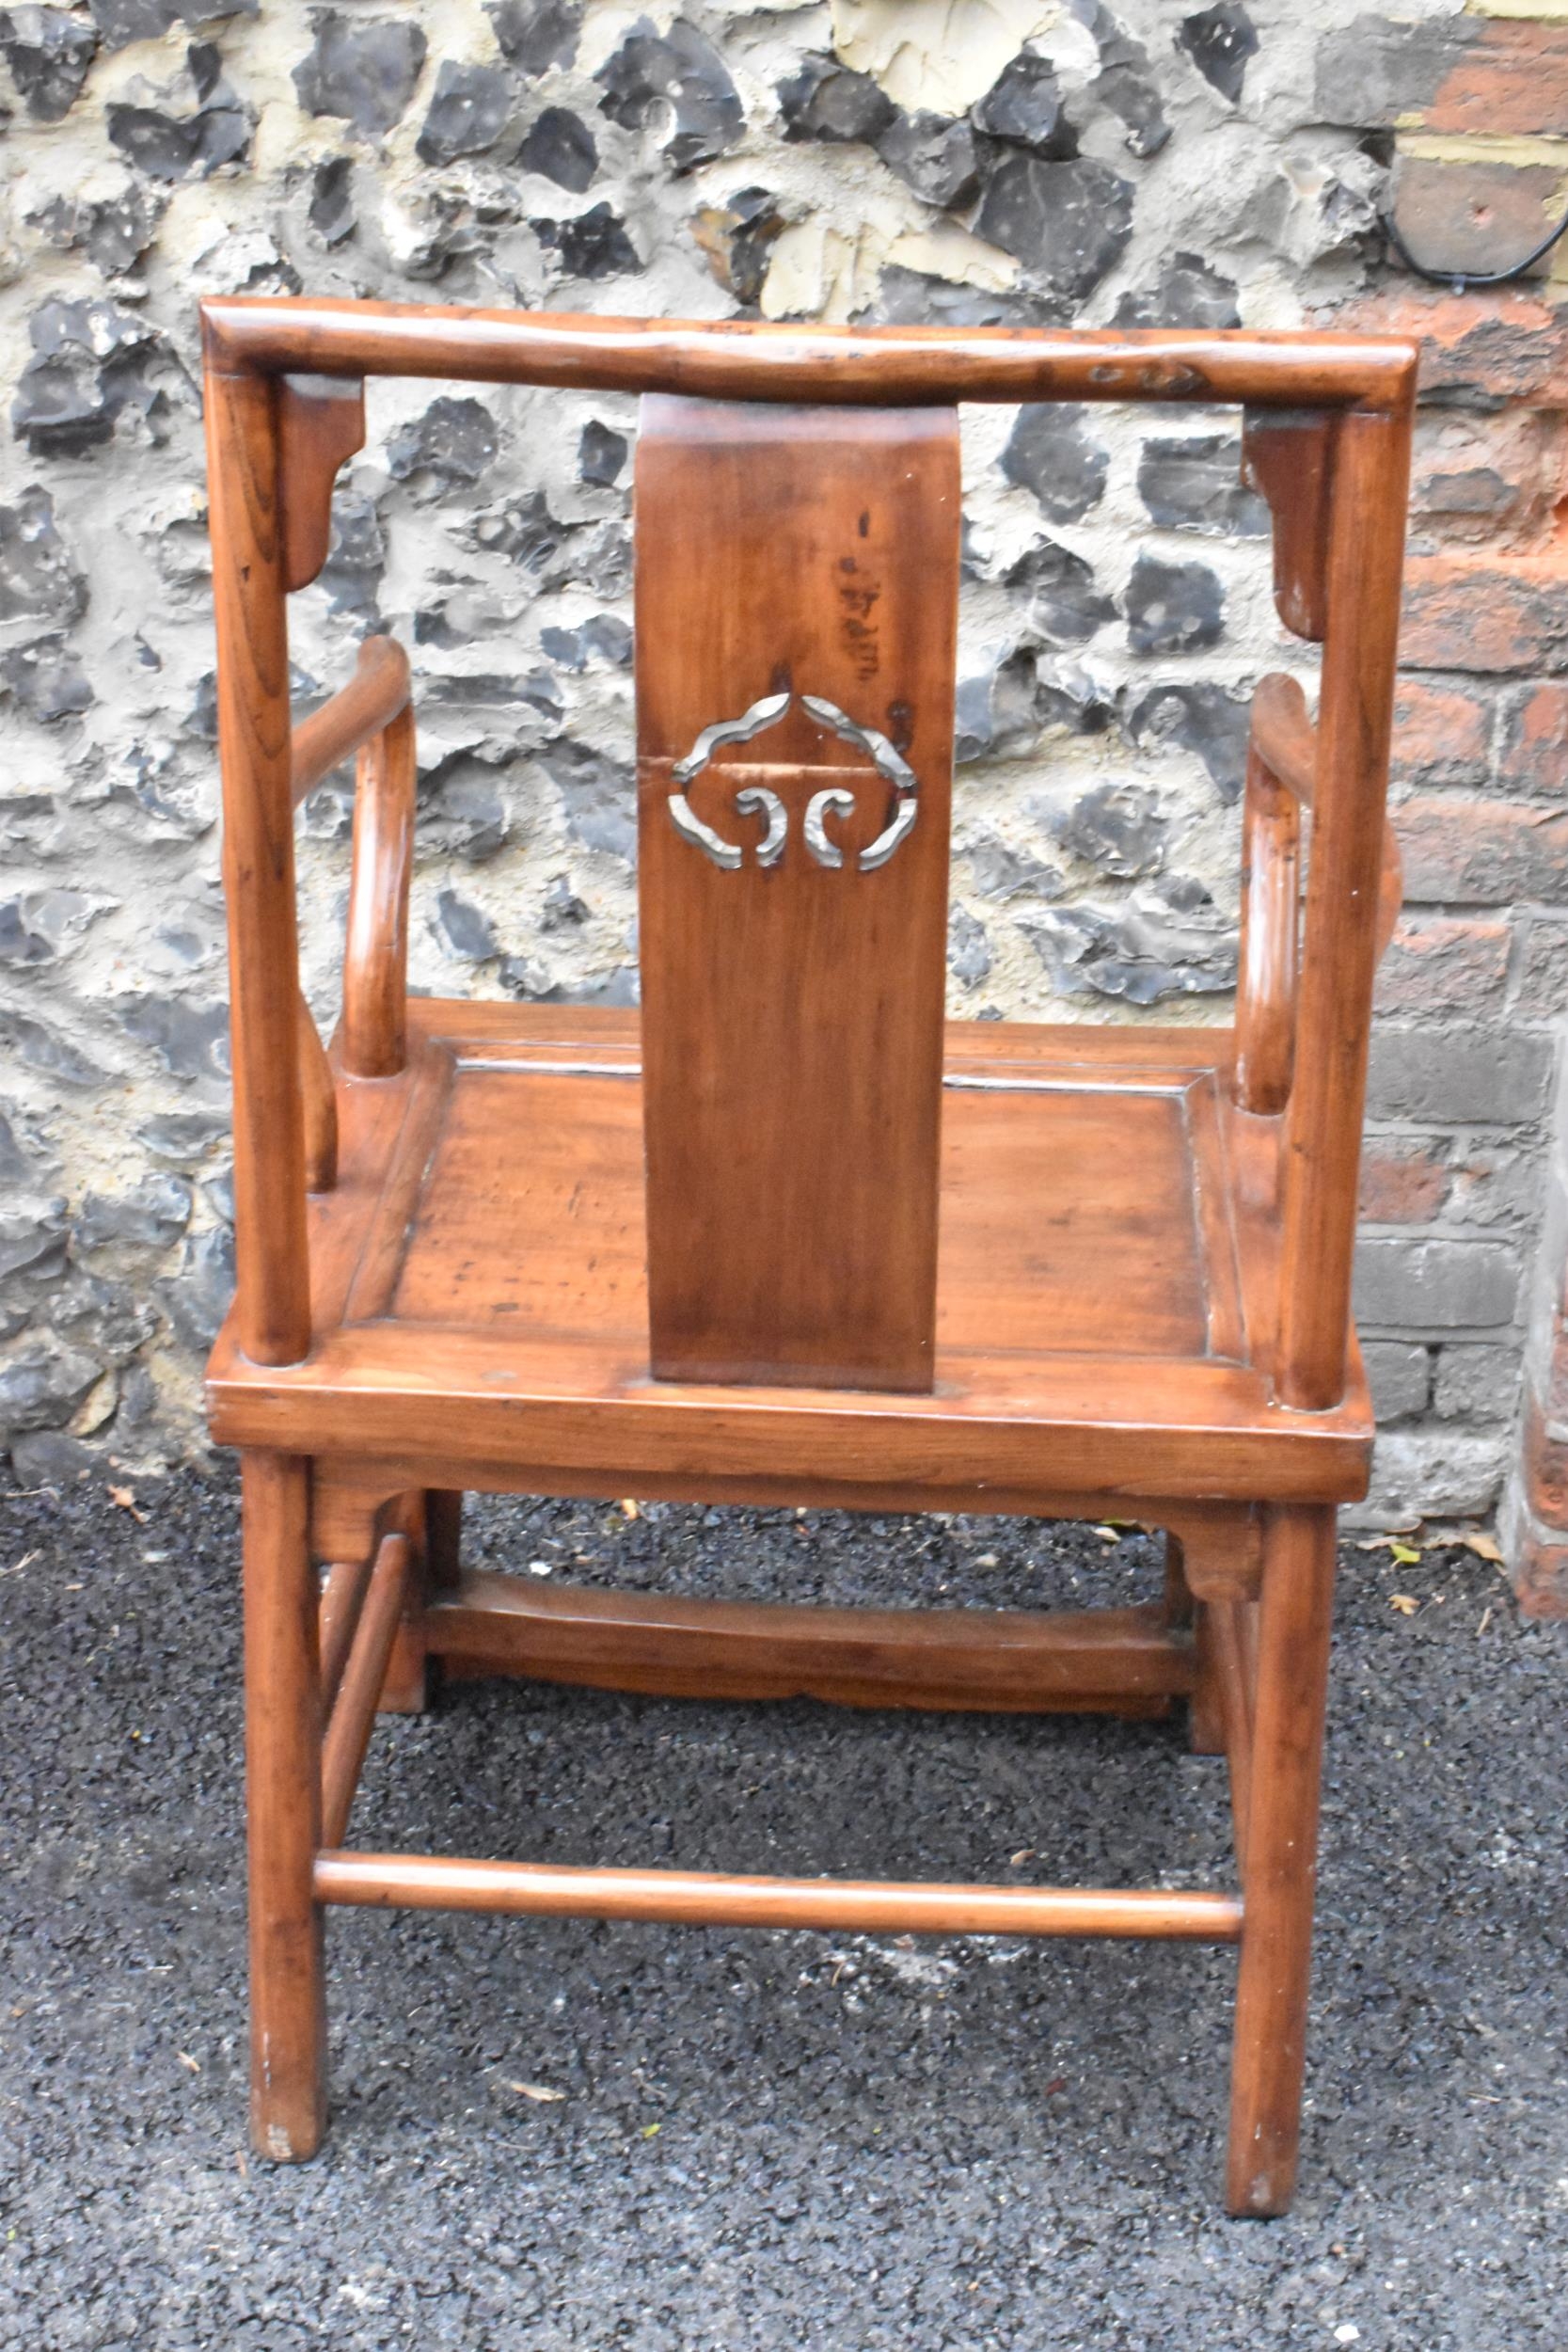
[
  {"x": 1482, "y": 852},
  {"x": 1462, "y": 1131},
  {"x": 1404, "y": 1180},
  {"x": 1472, "y": 611},
  {"x": 1443, "y": 731},
  {"x": 1462, "y": 72},
  {"x": 1470, "y": 1077},
  {"x": 1435, "y": 1285}
]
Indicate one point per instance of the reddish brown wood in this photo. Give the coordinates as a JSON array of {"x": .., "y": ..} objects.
[
  {"x": 406, "y": 1685},
  {"x": 272, "y": 1305},
  {"x": 320, "y": 423},
  {"x": 497, "y": 1307},
  {"x": 1127, "y": 1321},
  {"x": 342, "y": 1597},
  {"x": 1281, "y": 764},
  {"x": 372, "y": 700},
  {"x": 708, "y": 1898},
  {"x": 991, "y": 1661},
  {"x": 1288, "y": 458},
  {"x": 1205, "y": 1733},
  {"x": 1232, "y": 1634},
  {"x": 349, "y": 1497},
  {"x": 1178, "y": 1604},
  {"x": 1355, "y": 721},
  {"x": 375, "y": 953},
  {"x": 443, "y": 1519},
  {"x": 1205, "y": 1714},
  {"x": 319, "y": 1105},
  {"x": 1286, "y": 741},
  {"x": 1269, "y": 953},
  {"x": 433, "y": 1570},
  {"x": 880, "y": 366},
  {"x": 1281, "y": 1836},
  {"x": 792, "y": 1026},
  {"x": 352, "y": 1716},
  {"x": 283, "y": 1729},
  {"x": 1283, "y": 734}
]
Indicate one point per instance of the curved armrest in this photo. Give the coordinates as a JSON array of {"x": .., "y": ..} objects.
[
  {"x": 369, "y": 716},
  {"x": 375, "y": 952},
  {"x": 1282, "y": 759},
  {"x": 372, "y": 698},
  {"x": 1270, "y": 957}
]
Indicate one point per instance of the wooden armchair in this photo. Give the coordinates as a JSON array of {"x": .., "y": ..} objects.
[{"x": 784, "y": 1236}]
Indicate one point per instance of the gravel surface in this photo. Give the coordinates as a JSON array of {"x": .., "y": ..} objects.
[{"x": 767, "y": 2138}]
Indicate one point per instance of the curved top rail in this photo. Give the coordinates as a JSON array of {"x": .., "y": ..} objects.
[{"x": 743, "y": 360}]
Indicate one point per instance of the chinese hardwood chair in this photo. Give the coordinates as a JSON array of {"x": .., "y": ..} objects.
[{"x": 782, "y": 1237}]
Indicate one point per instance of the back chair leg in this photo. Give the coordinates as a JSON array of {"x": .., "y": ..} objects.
[
  {"x": 1280, "y": 1873},
  {"x": 435, "y": 1523},
  {"x": 1205, "y": 1731},
  {"x": 443, "y": 1535},
  {"x": 283, "y": 1734}
]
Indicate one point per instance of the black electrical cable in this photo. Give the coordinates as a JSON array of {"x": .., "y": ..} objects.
[{"x": 1462, "y": 280}]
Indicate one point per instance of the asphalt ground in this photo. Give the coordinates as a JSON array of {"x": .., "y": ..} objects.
[{"x": 767, "y": 2138}]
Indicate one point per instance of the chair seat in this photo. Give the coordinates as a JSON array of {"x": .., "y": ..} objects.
[{"x": 1107, "y": 1276}]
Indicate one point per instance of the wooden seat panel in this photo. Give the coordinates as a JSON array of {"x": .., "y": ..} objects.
[
  {"x": 480, "y": 1268},
  {"x": 529, "y": 1209},
  {"x": 530, "y": 1216}
]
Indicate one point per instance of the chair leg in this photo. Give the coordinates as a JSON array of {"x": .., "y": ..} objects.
[
  {"x": 1179, "y": 1593},
  {"x": 1205, "y": 1732},
  {"x": 283, "y": 1733},
  {"x": 1282, "y": 1858},
  {"x": 436, "y": 1524},
  {"x": 1205, "y": 1715}
]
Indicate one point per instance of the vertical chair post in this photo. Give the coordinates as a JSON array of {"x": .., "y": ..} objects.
[
  {"x": 244, "y": 499},
  {"x": 283, "y": 1805},
  {"x": 273, "y": 1306},
  {"x": 1372, "y": 469},
  {"x": 1279, "y": 1870}
]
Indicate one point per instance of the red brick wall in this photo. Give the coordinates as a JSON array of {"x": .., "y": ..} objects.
[{"x": 1464, "y": 1190}]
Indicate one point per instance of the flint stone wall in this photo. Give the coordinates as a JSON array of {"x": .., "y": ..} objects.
[{"x": 1000, "y": 162}]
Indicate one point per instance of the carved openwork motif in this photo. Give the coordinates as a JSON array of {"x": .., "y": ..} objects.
[{"x": 758, "y": 801}]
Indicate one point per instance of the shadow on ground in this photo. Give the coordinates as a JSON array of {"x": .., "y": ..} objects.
[{"x": 767, "y": 2138}]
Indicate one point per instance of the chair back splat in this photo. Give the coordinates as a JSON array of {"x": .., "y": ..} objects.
[
  {"x": 797, "y": 610},
  {"x": 782, "y": 1236}
]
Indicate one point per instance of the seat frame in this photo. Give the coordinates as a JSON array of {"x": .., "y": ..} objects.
[{"x": 364, "y": 1472}]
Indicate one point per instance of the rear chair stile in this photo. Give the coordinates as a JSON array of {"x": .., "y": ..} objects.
[{"x": 785, "y": 1237}]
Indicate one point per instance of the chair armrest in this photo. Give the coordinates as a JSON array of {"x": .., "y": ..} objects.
[
  {"x": 369, "y": 716},
  {"x": 1270, "y": 955},
  {"x": 372, "y": 698},
  {"x": 375, "y": 953}
]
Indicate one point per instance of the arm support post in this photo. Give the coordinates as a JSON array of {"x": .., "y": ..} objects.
[
  {"x": 375, "y": 959},
  {"x": 369, "y": 716},
  {"x": 1282, "y": 759},
  {"x": 1269, "y": 954}
]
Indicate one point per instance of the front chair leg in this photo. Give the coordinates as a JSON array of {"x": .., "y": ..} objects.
[
  {"x": 283, "y": 1734},
  {"x": 1282, "y": 1858}
]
